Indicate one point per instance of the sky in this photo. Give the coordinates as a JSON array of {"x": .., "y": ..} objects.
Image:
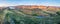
[{"x": 29, "y": 2}]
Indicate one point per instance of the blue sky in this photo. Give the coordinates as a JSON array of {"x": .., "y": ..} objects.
[{"x": 29, "y": 2}]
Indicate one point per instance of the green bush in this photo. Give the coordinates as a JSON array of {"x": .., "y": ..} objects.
[
  {"x": 58, "y": 12},
  {"x": 34, "y": 14}
]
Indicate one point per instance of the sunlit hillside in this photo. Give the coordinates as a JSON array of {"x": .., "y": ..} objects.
[{"x": 53, "y": 8}]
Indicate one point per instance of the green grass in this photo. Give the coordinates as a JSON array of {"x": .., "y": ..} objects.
[{"x": 21, "y": 18}]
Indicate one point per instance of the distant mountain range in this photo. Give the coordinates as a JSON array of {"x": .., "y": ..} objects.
[{"x": 47, "y": 8}]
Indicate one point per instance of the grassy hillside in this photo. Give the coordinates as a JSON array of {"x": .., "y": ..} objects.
[{"x": 24, "y": 16}]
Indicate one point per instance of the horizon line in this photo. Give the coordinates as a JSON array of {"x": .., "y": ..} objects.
[{"x": 24, "y": 5}]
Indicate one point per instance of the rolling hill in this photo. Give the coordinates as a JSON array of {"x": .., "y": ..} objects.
[{"x": 29, "y": 14}]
